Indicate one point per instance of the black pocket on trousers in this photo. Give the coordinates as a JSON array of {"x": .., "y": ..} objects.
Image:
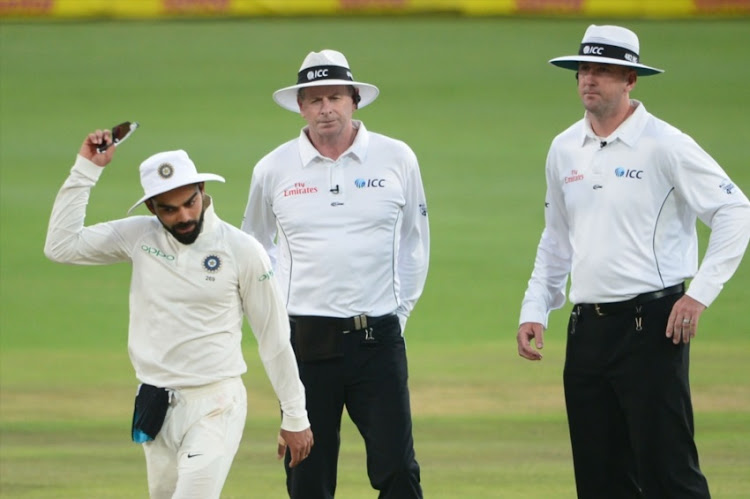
[
  {"x": 151, "y": 404},
  {"x": 318, "y": 338}
]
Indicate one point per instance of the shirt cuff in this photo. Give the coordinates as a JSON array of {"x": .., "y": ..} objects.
[
  {"x": 87, "y": 168},
  {"x": 532, "y": 313},
  {"x": 289, "y": 423},
  {"x": 702, "y": 291}
]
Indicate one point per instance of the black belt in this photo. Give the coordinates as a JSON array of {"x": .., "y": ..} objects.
[
  {"x": 344, "y": 324},
  {"x": 619, "y": 306}
]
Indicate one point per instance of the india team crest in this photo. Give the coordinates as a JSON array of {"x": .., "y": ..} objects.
[
  {"x": 212, "y": 263},
  {"x": 165, "y": 170}
]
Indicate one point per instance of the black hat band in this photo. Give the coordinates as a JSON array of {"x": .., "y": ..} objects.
[
  {"x": 316, "y": 73},
  {"x": 608, "y": 51}
]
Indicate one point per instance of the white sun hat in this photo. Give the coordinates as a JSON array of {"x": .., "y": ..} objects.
[
  {"x": 169, "y": 170},
  {"x": 327, "y": 67},
  {"x": 608, "y": 45}
]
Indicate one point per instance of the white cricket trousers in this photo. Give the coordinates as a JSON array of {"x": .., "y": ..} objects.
[{"x": 192, "y": 454}]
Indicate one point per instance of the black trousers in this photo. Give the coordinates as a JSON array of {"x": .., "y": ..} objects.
[
  {"x": 371, "y": 381},
  {"x": 630, "y": 414}
]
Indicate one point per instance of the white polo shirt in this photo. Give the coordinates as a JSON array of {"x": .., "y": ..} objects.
[
  {"x": 621, "y": 217},
  {"x": 347, "y": 237},
  {"x": 186, "y": 301}
]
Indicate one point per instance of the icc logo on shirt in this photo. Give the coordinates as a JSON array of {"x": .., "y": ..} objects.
[
  {"x": 622, "y": 172},
  {"x": 361, "y": 183}
]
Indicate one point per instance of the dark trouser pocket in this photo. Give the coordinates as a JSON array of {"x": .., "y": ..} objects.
[
  {"x": 317, "y": 338},
  {"x": 151, "y": 404}
]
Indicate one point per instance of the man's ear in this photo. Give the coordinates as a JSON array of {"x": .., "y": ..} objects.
[
  {"x": 632, "y": 77},
  {"x": 205, "y": 200},
  {"x": 150, "y": 205}
]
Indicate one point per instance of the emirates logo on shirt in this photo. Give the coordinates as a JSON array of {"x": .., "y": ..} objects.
[
  {"x": 300, "y": 188},
  {"x": 574, "y": 177}
]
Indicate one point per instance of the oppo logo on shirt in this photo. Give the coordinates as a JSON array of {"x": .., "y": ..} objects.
[
  {"x": 156, "y": 252},
  {"x": 622, "y": 172},
  {"x": 361, "y": 183}
]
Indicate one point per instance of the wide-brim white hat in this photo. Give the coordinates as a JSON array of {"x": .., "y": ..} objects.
[
  {"x": 327, "y": 67},
  {"x": 608, "y": 45},
  {"x": 169, "y": 170}
]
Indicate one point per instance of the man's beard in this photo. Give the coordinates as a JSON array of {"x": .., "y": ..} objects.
[{"x": 186, "y": 237}]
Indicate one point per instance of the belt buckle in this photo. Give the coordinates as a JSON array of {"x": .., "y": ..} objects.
[
  {"x": 598, "y": 310},
  {"x": 360, "y": 322}
]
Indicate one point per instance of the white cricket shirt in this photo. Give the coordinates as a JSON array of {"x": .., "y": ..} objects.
[
  {"x": 347, "y": 237},
  {"x": 621, "y": 213},
  {"x": 186, "y": 301}
]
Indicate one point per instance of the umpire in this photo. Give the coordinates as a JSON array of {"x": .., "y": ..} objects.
[
  {"x": 624, "y": 190},
  {"x": 342, "y": 212}
]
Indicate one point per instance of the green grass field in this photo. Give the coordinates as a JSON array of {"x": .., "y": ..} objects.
[{"x": 477, "y": 102}]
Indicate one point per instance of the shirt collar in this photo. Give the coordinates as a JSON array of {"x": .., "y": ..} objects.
[
  {"x": 210, "y": 219},
  {"x": 358, "y": 149},
  {"x": 628, "y": 132}
]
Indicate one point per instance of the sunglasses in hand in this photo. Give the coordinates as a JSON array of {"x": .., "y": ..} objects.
[{"x": 119, "y": 134}]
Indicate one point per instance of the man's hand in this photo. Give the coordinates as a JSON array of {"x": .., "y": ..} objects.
[
  {"x": 93, "y": 140},
  {"x": 300, "y": 443},
  {"x": 526, "y": 332},
  {"x": 683, "y": 321}
]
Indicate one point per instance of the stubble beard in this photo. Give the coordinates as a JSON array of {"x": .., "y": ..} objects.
[{"x": 186, "y": 237}]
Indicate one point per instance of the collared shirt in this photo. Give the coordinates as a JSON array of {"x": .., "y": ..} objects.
[
  {"x": 621, "y": 217},
  {"x": 186, "y": 300},
  {"x": 349, "y": 236}
]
